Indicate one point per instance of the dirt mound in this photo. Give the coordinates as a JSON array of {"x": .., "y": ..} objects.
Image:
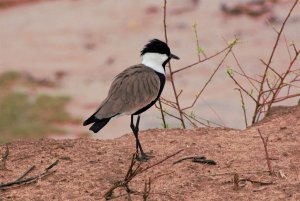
[{"x": 88, "y": 168}]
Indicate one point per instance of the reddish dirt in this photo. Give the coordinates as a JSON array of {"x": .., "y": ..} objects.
[{"x": 87, "y": 168}]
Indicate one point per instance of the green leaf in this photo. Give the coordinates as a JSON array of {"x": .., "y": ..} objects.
[
  {"x": 193, "y": 115},
  {"x": 233, "y": 42},
  {"x": 230, "y": 71},
  {"x": 200, "y": 50}
]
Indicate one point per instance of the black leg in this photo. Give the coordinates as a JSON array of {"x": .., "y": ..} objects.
[
  {"x": 135, "y": 135},
  {"x": 135, "y": 129}
]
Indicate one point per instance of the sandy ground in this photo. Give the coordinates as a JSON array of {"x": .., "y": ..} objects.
[
  {"x": 91, "y": 41},
  {"x": 87, "y": 168}
]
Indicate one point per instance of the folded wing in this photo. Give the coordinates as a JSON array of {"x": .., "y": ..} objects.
[{"x": 132, "y": 89}]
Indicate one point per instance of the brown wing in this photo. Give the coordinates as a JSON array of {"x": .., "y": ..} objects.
[{"x": 132, "y": 89}]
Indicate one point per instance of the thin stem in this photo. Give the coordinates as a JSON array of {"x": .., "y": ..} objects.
[
  {"x": 162, "y": 113},
  {"x": 243, "y": 72},
  {"x": 243, "y": 107},
  {"x": 208, "y": 81},
  {"x": 198, "y": 62},
  {"x": 170, "y": 69}
]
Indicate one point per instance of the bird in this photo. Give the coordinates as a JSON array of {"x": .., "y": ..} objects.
[{"x": 135, "y": 90}]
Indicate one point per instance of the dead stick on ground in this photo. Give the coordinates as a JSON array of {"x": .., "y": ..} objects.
[
  {"x": 21, "y": 180},
  {"x": 265, "y": 143},
  {"x": 232, "y": 173},
  {"x": 198, "y": 159},
  {"x": 236, "y": 180},
  {"x": 26, "y": 173},
  {"x": 262, "y": 183}
]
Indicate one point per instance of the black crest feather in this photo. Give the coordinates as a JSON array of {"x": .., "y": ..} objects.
[{"x": 156, "y": 46}]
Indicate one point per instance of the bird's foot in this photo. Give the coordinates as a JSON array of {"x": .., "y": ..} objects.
[{"x": 143, "y": 157}]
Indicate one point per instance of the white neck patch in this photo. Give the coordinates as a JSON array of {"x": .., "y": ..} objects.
[{"x": 155, "y": 61}]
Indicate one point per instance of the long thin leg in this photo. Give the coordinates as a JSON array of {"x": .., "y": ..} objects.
[
  {"x": 137, "y": 135},
  {"x": 135, "y": 130}
]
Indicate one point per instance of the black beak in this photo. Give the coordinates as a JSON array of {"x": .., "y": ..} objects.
[{"x": 174, "y": 56}]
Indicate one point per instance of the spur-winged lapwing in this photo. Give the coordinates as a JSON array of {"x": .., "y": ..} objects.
[{"x": 135, "y": 90}]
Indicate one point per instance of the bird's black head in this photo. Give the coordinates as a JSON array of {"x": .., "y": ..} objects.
[{"x": 158, "y": 46}]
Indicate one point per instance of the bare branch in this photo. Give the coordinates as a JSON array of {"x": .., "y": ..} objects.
[
  {"x": 162, "y": 113},
  {"x": 242, "y": 88},
  {"x": 170, "y": 69},
  {"x": 209, "y": 80},
  {"x": 243, "y": 72},
  {"x": 269, "y": 67},
  {"x": 208, "y": 58},
  {"x": 265, "y": 143},
  {"x": 256, "y": 111},
  {"x": 287, "y": 47}
]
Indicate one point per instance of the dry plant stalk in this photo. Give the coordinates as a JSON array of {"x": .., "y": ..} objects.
[
  {"x": 236, "y": 180},
  {"x": 265, "y": 143},
  {"x": 183, "y": 113},
  {"x": 178, "y": 107},
  {"x": 243, "y": 107},
  {"x": 147, "y": 189},
  {"x": 22, "y": 181},
  {"x": 265, "y": 92},
  {"x": 133, "y": 171},
  {"x": 4, "y": 158}
]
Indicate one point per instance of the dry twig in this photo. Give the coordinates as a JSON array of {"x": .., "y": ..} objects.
[
  {"x": 147, "y": 189},
  {"x": 233, "y": 173},
  {"x": 21, "y": 181},
  {"x": 197, "y": 159},
  {"x": 265, "y": 143},
  {"x": 132, "y": 172},
  {"x": 171, "y": 71}
]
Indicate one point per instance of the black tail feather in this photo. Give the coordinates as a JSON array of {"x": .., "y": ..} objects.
[
  {"x": 98, "y": 124},
  {"x": 90, "y": 120}
]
